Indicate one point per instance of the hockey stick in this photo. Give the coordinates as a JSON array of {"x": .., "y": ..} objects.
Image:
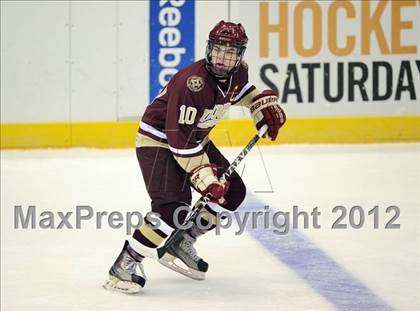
[{"x": 205, "y": 199}]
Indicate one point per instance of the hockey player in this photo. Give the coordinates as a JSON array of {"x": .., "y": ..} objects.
[{"x": 174, "y": 152}]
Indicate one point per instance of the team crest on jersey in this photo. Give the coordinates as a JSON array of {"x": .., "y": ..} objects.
[{"x": 195, "y": 83}]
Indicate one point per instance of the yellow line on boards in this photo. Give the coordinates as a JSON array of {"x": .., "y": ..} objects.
[{"x": 231, "y": 132}]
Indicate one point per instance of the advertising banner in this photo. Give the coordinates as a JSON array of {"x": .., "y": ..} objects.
[
  {"x": 172, "y": 31},
  {"x": 328, "y": 58}
]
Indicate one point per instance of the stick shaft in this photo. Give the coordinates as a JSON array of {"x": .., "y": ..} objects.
[{"x": 205, "y": 199}]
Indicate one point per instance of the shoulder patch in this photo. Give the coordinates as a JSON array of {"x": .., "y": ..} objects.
[{"x": 195, "y": 83}]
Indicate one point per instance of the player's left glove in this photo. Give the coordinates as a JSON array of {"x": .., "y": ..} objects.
[{"x": 265, "y": 110}]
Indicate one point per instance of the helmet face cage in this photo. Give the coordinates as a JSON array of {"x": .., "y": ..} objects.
[
  {"x": 226, "y": 35},
  {"x": 223, "y": 73}
]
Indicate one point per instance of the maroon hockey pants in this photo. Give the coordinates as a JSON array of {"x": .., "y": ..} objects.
[{"x": 168, "y": 184}]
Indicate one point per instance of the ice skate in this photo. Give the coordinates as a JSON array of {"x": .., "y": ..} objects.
[
  {"x": 123, "y": 275},
  {"x": 183, "y": 250}
]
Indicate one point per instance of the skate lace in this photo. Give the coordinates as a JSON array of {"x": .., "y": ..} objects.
[
  {"x": 130, "y": 265},
  {"x": 189, "y": 248}
]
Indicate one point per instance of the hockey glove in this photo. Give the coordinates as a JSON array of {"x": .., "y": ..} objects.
[
  {"x": 265, "y": 110},
  {"x": 204, "y": 179}
]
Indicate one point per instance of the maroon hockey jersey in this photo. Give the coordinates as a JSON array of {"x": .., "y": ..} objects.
[{"x": 190, "y": 105}]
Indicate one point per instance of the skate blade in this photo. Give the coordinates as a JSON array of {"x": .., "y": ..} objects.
[
  {"x": 117, "y": 285},
  {"x": 169, "y": 262}
]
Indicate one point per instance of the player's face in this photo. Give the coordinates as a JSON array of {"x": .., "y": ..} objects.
[{"x": 224, "y": 57}]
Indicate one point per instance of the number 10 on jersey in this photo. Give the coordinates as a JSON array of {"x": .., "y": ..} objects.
[{"x": 187, "y": 115}]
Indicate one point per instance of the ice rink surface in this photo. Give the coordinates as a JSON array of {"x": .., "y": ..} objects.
[{"x": 261, "y": 269}]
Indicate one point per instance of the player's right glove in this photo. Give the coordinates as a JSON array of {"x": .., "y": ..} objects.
[{"x": 204, "y": 179}]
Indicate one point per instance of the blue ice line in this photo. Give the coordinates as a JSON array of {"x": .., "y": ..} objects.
[{"x": 313, "y": 265}]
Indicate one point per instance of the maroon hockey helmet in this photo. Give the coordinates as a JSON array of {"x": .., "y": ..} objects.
[{"x": 227, "y": 34}]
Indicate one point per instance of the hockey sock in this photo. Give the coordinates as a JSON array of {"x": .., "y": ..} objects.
[
  {"x": 205, "y": 222},
  {"x": 146, "y": 239}
]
